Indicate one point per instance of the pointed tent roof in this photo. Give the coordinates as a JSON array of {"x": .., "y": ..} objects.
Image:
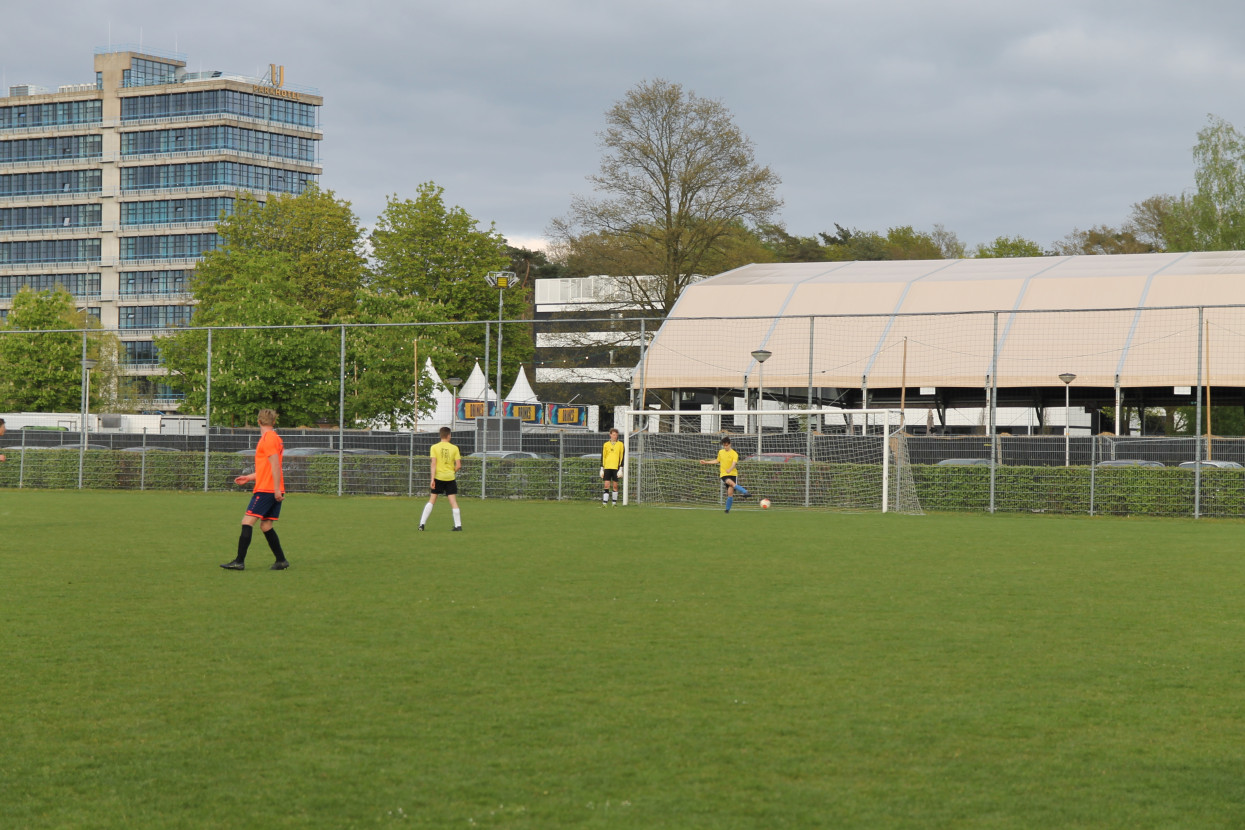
[
  {"x": 443, "y": 413},
  {"x": 522, "y": 391},
  {"x": 476, "y": 387}
]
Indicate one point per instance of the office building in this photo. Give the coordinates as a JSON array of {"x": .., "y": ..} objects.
[{"x": 113, "y": 189}]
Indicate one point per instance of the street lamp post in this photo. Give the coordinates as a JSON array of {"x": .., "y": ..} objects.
[
  {"x": 501, "y": 280},
  {"x": 760, "y": 356},
  {"x": 1067, "y": 378}
]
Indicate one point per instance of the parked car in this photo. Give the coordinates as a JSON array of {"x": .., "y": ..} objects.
[
  {"x": 73, "y": 447},
  {"x": 963, "y": 462},
  {"x": 301, "y": 452},
  {"x": 508, "y": 454},
  {"x": 149, "y": 449},
  {"x": 1129, "y": 462},
  {"x": 1222, "y": 465},
  {"x": 365, "y": 451},
  {"x": 778, "y": 457}
]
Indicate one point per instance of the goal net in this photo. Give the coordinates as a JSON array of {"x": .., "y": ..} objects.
[{"x": 826, "y": 459}]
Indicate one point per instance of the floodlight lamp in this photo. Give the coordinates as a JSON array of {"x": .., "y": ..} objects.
[
  {"x": 761, "y": 355},
  {"x": 1067, "y": 377},
  {"x": 88, "y": 364},
  {"x": 454, "y": 382},
  {"x": 501, "y": 280}
]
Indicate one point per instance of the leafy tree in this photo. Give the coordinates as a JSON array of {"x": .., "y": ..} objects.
[
  {"x": 294, "y": 371},
  {"x": 422, "y": 248},
  {"x": 1161, "y": 222},
  {"x": 852, "y": 245},
  {"x": 948, "y": 243},
  {"x": 317, "y": 232},
  {"x": 381, "y": 362},
  {"x": 784, "y": 247},
  {"x": 1009, "y": 246},
  {"x": 1102, "y": 239},
  {"x": 43, "y": 372},
  {"x": 907, "y": 243},
  {"x": 676, "y": 178}
]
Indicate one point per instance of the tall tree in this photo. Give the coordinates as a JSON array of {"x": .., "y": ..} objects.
[
  {"x": 318, "y": 233},
  {"x": 422, "y": 248},
  {"x": 294, "y": 371},
  {"x": 1009, "y": 246},
  {"x": 677, "y": 176},
  {"x": 43, "y": 363},
  {"x": 1102, "y": 239}
]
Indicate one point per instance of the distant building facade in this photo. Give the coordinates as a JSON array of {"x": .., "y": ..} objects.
[{"x": 112, "y": 189}]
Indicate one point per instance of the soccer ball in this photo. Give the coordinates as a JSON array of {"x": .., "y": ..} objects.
[{"x": 765, "y": 504}]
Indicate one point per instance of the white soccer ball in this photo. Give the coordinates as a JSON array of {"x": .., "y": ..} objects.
[{"x": 765, "y": 504}]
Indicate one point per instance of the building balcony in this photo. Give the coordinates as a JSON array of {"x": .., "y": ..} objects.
[
  {"x": 216, "y": 152},
  {"x": 58, "y": 163},
  {"x": 19, "y": 234},
  {"x": 229, "y": 117},
  {"x": 74, "y": 266},
  {"x": 55, "y": 196}
]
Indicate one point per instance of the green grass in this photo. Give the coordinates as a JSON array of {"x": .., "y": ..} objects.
[{"x": 558, "y": 665}]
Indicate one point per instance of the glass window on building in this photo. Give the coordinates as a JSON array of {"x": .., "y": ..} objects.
[{"x": 154, "y": 282}]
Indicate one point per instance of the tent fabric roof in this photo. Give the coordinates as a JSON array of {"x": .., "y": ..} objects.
[
  {"x": 522, "y": 391},
  {"x": 932, "y": 323},
  {"x": 476, "y": 387}
]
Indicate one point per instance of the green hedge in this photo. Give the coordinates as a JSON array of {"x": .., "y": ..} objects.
[{"x": 1124, "y": 491}]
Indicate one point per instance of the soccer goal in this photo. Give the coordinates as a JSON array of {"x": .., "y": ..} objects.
[{"x": 826, "y": 459}]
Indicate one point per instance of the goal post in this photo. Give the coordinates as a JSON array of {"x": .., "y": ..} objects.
[{"x": 817, "y": 458}]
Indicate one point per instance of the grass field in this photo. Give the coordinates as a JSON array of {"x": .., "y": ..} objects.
[{"x": 559, "y": 665}]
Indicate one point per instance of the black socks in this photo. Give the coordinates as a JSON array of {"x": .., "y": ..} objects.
[
  {"x": 274, "y": 543},
  {"x": 244, "y": 542}
]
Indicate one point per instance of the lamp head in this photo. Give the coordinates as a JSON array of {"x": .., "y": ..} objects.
[
  {"x": 761, "y": 355},
  {"x": 1067, "y": 377}
]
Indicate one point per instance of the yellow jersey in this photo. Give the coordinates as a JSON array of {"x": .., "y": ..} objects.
[
  {"x": 446, "y": 454},
  {"x": 727, "y": 459},
  {"x": 612, "y": 455}
]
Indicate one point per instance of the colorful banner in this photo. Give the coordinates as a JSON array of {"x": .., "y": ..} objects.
[
  {"x": 565, "y": 415},
  {"x": 528, "y": 413},
  {"x": 466, "y": 409}
]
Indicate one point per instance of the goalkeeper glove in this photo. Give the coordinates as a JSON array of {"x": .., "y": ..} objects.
[{"x": 601, "y": 473}]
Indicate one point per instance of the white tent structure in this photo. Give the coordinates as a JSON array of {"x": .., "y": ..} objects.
[
  {"x": 522, "y": 391},
  {"x": 443, "y": 413},
  {"x": 1154, "y": 321},
  {"x": 476, "y": 388}
]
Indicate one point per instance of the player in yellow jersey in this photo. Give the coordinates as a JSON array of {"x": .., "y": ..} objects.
[
  {"x": 727, "y": 461},
  {"x": 611, "y": 467},
  {"x": 443, "y": 473}
]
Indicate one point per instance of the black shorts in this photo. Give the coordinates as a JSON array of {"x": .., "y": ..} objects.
[
  {"x": 445, "y": 488},
  {"x": 728, "y": 479},
  {"x": 264, "y": 506},
  {"x": 610, "y": 475}
]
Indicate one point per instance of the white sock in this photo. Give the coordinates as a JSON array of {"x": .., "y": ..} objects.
[
  {"x": 615, "y": 497},
  {"x": 605, "y": 496},
  {"x": 423, "y": 520},
  {"x": 458, "y": 517}
]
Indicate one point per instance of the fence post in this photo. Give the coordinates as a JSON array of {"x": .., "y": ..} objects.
[
  {"x": 561, "y": 435},
  {"x": 993, "y": 393},
  {"x": 410, "y": 473},
  {"x": 207, "y": 417},
  {"x": 85, "y": 405},
  {"x": 341, "y": 409},
  {"x": 142, "y": 467},
  {"x": 21, "y": 464},
  {"x": 808, "y": 422},
  {"x": 1197, "y": 431},
  {"x": 1093, "y": 447},
  {"x": 484, "y": 450}
]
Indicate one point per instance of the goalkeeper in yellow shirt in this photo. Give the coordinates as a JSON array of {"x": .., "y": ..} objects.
[{"x": 611, "y": 467}]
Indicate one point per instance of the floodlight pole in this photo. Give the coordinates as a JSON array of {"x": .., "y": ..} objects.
[
  {"x": 501, "y": 280},
  {"x": 760, "y": 356},
  {"x": 454, "y": 384},
  {"x": 1067, "y": 378}
]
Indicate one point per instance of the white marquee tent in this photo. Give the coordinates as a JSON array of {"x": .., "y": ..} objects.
[{"x": 1130, "y": 321}]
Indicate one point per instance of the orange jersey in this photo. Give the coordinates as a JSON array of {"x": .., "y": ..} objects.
[{"x": 270, "y": 444}]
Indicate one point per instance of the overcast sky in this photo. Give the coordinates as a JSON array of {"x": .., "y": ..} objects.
[{"x": 990, "y": 117}]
